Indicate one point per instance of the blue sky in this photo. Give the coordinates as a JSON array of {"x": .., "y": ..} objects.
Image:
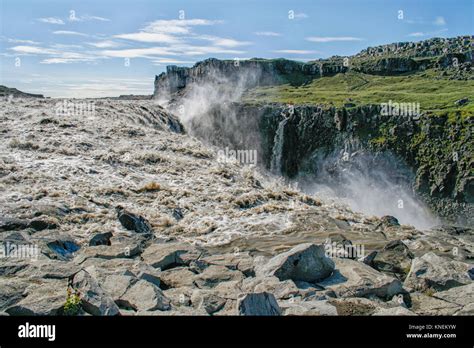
[{"x": 91, "y": 48}]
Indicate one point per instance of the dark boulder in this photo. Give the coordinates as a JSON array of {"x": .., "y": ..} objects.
[
  {"x": 101, "y": 239},
  {"x": 261, "y": 304},
  {"x": 395, "y": 259},
  {"x": 40, "y": 225},
  {"x": 133, "y": 222},
  {"x": 305, "y": 262},
  {"x": 61, "y": 249},
  {"x": 12, "y": 224},
  {"x": 388, "y": 221}
]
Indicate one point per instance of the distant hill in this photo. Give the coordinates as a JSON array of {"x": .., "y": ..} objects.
[{"x": 7, "y": 91}]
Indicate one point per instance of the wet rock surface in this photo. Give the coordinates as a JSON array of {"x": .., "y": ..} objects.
[
  {"x": 262, "y": 304},
  {"x": 305, "y": 262},
  {"x": 394, "y": 259},
  {"x": 145, "y": 296},
  {"x": 44, "y": 298},
  {"x": 352, "y": 278},
  {"x": 94, "y": 299},
  {"x": 434, "y": 272}
]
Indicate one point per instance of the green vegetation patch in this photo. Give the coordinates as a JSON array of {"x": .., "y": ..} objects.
[{"x": 433, "y": 92}]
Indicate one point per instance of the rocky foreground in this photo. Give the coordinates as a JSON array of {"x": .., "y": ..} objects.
[{"x": 125, "y": 214}]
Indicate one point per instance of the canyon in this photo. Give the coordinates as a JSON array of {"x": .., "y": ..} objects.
[
  {"x": 233, "y": 103},
  {"x": 145, "y": 206}
]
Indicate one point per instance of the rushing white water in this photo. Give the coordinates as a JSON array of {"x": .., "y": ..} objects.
[
  {"x": 277, "y": 152},
  {"x": 373, "y": 186}
]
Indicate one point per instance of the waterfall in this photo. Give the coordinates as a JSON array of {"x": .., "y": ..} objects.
[
  {"x": 277, "y": 151},
  {"x": 370, "y": 183},
  {"x": 352, "y": 147}
]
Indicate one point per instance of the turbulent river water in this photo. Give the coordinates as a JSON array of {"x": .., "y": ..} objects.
[{"x": 365, "y": 182}]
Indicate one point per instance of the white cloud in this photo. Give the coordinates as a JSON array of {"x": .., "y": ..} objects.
[
  {"x": 440, "y": 21},
  {"x": 97, "y": 18},
  {"x": 177, "y": 50},
  {"x": 175, "y": 43},
  {"x": 229, "y": 42},
  {"x": 104, "y": 44},
  {"x": 29, "y": 42},
  {"x": 177, "y": 26},
  {"x": 427, "y": 33},
  {"x": 163, "y": 61},
  {"x": 138, "y": 52},
  {"x": 174, "y": 35},
  {"x": 296, "y": 51},
  {"x": 417, "y": 34},
  {"x": 267, "y": 33},
  {"x": 166, "y": 31},
  {"x": 148, "y": 37},
  {"x": 32, "y": 50},
  {"x": 74, "y": 18},
  {"x": 68, "y": 32},
  {"x": 64, "y": 60},
  {"x": 55, "y": 55},
  {"x": 223, "y": 42},
  {"x": 65, "y": 46},
  {"x": 51, "y": 20},
  {"x": 333, "y": 38},
  {"x": 190, "y": 50}
]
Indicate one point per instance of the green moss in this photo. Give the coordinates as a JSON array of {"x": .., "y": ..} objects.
[
  {"x": 418, "y": 139},
  {"x": 429, "y": 292},
  {"x": 379, "y": 141}
]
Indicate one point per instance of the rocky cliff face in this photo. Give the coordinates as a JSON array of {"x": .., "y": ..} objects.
[
  {"x": 427, "y": 48},
  {"x": 246, "y": 74}
]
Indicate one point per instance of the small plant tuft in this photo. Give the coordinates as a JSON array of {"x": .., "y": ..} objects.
[
  {"x": 429, "y": 292},
  {"x": 72, "y": 306}
]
